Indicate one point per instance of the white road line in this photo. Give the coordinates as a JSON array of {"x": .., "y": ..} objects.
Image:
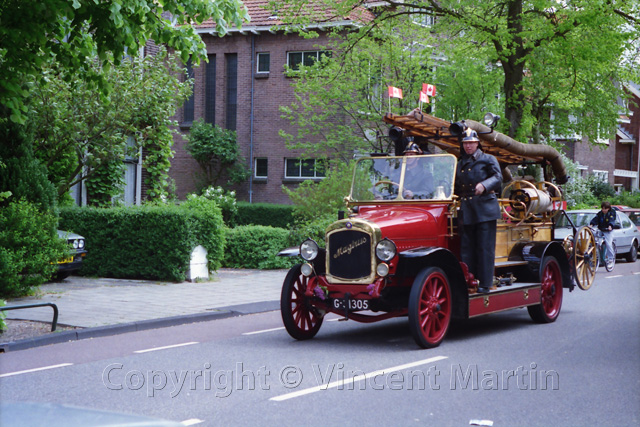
[
  {"x": 354, "y": 379},
  {"x": 637, "y": 272},
  {"x": 192, "y": 421},
  {"x": 263, "y": 331},
  {"x": 613, "y": 277},
  {"x": 165, "y": 347},
  {"x": 282, "y": 327},
  {"x": 35, "y": 369}
]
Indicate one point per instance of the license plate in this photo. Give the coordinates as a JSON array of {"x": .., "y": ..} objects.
[
  {"x": 352, "y": 304},
  {"x": 66, "y": 260}
]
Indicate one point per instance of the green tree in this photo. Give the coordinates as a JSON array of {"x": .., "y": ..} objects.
[
  {"x": 567, "y": 56},
  {"x": 340, "y": 100},
  {"x": 216, "y": 151},
  {"x": 80, "y": 136},
  {"x": 74, "y": 32}
]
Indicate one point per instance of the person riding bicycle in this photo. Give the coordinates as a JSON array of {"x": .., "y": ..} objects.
[{"x": 605, "y": 220}]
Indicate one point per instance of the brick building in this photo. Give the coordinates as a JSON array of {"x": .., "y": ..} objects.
[
  {"x": 241, "y": 88},
  {"x": 615, "y": 161}
]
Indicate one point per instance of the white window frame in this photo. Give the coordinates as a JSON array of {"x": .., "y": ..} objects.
[
  {"x": 268, "y": 55},
  {"x": 299, "y": 166},
  {"x": 255, "y": 168},
  {"x": 317, "y": 53}
]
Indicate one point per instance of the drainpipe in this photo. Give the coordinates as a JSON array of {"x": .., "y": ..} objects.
[{"x": 253, "y": 70}]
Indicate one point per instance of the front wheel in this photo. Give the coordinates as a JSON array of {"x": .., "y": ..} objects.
[
  {"x": 430, "y": 307},
  {"x": 301, "y": 320},
  {"x": 550, "y": 292}
]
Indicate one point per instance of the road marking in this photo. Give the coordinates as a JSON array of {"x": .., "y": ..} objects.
[
  {"x": 192, "y": 421},
  {"x": 613, "y": 277},
  {"x": 36, "y": 369},
  {"x": 282, "y": 327},
  {"x": 354, "y": 379},
  {"x": 165, "y": 347},
  {"x": 263, "y": 331},
  {"x": 637, "y": 272}
]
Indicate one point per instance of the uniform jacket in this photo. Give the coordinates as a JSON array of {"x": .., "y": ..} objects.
[
  {"x": 603, "y": 221},
  {"x": 478, "y": 168}
]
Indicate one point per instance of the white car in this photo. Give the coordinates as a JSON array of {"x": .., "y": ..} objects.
[{"x": 626, "y": 236}]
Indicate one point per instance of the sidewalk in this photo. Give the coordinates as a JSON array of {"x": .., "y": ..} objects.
[{"x": 110, "y": 306}]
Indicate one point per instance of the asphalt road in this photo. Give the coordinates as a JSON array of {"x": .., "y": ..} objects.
[{"x": 581, "y": 370}]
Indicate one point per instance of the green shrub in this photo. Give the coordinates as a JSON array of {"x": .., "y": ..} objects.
[
  {"x": 269, "y": 214},
  {"x": 226, "y": 201},
  {"x": 627, "y": 199},
  {"x": 256, "y": 246},
  {"x": 29, "y": 248},
  {"x": 3, "y": 315},
  {"x": 147, "y": 242},
  {"x": 314, "y": 229}
]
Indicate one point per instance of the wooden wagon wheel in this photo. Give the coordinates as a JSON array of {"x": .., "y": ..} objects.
[
  {"x": 521, "y": 198},
  {"x": 584, "y": 257}
]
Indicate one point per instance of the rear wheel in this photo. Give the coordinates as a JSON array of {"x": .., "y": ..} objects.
[
  {"x": 301, "y": 320},
  {"x": 632, "y": 256},
  {"x": 430, "y": 307},
  {"x": 550, "y": 293}
]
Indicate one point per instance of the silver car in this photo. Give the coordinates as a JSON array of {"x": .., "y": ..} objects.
[{"x": 626, "y": 236}]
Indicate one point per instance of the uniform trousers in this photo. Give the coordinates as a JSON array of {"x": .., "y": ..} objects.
[{"x": 478, "y": 248}]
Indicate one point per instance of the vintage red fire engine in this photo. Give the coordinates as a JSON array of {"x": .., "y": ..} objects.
[{"x": 396, "y": 251}]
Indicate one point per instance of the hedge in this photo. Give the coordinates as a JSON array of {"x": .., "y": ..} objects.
[
  {"x": 257, "y": 246},
  {"x": 147, "y": 242},
  {"x": 264, "y": 214}
]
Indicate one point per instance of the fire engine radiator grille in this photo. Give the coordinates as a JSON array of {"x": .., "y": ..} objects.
[{"x": 349, "y": 253}]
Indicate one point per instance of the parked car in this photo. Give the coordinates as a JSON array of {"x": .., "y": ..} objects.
[
  {"x": 73, "y": 262},
  {"x": 632, "y": 213},
  {"x": 626, "y": 235}
]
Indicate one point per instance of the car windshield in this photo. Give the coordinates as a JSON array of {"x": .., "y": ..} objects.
[
  {"x": 578, "y": 218},
  {"x": 428, "y": 177}
]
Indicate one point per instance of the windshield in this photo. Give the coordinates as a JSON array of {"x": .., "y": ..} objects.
[
  {"x": 404, "y": 178},
  {"x": 578, "y": 219}
]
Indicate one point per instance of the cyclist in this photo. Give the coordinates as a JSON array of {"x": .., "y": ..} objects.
[{"x": 605, "y": 221}]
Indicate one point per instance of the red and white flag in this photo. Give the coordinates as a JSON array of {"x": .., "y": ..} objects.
[
  {"x": 394, "y": 92},
  {"x": 423, "y": 97},
  {"x": 429, "y": 89}
]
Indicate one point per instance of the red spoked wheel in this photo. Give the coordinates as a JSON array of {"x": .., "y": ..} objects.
[
  {"x": 301, "y": 320},
  {"x": 430, "y": 307},
  {"x": 551, "y": 292}
]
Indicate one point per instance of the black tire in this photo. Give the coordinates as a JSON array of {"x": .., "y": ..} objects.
[
  {"x": 551, "y": 292},
  {"x": 632, "y": 256},
  {"x": 58, "y": 277},
  {"x": 430, "y": 307},
  {"x": 301, "y": 320}
]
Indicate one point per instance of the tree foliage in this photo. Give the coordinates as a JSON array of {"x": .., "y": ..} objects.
[
  {"x": 216, "y": 151},
  {"x": 570, "y": 57},
  {"x": 339, "y": 100},
  {"x": 81, "y": 136},
  {"x": 74, "y": 32}
]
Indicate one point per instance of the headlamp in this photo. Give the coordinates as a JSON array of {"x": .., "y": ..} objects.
[
  {"x": 385, "y": 250},
  {"x": 309, "y": 250}
]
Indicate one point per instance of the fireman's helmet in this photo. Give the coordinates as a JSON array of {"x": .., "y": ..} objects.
[
  {"x": 412, "y": 148},
  {"x": 472, "y": 136}
]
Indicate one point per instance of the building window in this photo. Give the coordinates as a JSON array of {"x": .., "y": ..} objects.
[
  {"x": 304, "y": 168},
  {"x": 601, "y": 175},
  {"x": 210, "y": 91},
  {"x": 189, "y": 104},
  {"x": 294, "y": 59},
  {"x": 261, "y": 168},
  {"x": 263, "y": 61},
  {"x": 232, "y": 90}
]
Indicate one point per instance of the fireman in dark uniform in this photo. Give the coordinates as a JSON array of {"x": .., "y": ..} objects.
[{"x": 478, "y": 179}]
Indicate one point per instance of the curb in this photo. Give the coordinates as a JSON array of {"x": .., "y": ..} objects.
[{"x": 143, "y": 325}]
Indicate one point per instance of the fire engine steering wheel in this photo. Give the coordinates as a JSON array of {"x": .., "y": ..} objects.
[
  {"x": 519, "y": 198},
  {"x": 390, "y": 183}
]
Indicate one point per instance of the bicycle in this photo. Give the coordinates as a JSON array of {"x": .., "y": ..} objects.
[{"x": 603, "y": 256}]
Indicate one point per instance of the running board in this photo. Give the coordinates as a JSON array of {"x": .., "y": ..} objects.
[{"x": 504, "y": 298}]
